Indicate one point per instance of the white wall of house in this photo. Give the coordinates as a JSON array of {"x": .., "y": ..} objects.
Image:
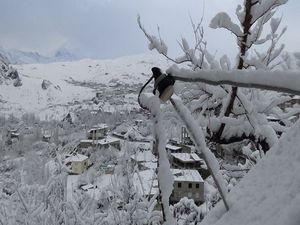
[{"x": 79, "y": 167}]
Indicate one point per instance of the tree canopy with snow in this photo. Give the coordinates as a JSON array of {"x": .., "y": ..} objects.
[{"x": 228, "y": 111}]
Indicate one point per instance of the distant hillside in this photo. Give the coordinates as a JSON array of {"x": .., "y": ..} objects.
[
  {"x": 54, "y": 89},
  {"x": 22, "y": 57}
]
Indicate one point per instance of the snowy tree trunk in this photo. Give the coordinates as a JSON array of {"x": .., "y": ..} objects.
[
  {"x": 164, "y": 174},
  {"x": 243, "y": 49},
  {"x": 199, "y": 140}
]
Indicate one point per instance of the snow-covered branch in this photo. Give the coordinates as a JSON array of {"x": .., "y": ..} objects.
[
  {"x": 223, "y": 20},
  {"x": 280, "y": 81},
  {"x": 199, "y": 140},
  {"x": 164, "y": 174}
]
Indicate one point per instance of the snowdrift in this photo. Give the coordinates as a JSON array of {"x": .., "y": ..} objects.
[{"x": 270, "y": 193}]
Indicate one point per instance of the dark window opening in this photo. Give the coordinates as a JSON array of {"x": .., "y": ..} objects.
[
  {"x": 179, "y": 185},
  {"x": 190, "y": 185}
]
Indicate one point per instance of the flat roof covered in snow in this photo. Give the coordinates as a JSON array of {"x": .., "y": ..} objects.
[
  {"x": 77, "y": 158},
  {"x": 107, "y": 140},
  {"x": 173, "y": 147},
  {"x": 87, "y": 186},
  {"x": 146, "y": 182},
  {"x": 144, "y": 156},
  {"x": 187, "y": 157},
  {"x": 98, "y": 127},
  {"x": 186, "y": 175}
]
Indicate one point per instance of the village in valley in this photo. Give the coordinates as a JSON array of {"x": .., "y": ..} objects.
[{"x": 188, "y": 168}]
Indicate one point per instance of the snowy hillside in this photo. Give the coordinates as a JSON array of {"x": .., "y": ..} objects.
[
  {"x": 269, "y": 193},
  {"x": 57, "y": 88}
]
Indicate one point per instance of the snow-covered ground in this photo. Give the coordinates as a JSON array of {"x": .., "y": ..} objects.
[{"x": 74, "y": 84}]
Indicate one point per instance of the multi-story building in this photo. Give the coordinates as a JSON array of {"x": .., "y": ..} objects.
[
  {"x": 187, "y": 183},
  {"x": 97, "y": 132}
]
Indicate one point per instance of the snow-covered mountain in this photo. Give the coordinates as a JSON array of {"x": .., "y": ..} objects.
[
  {"x": 54, "y": 89},
  {"x": 63, "y": 54},
  {"x": 21, "y": 57}
]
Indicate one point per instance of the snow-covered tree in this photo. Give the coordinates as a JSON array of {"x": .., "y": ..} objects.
[{"x": 229, "y": 113}]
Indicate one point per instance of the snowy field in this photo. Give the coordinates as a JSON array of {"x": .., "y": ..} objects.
[{"x": 72, "y": 85}]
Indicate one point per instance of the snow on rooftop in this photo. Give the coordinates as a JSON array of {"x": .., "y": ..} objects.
[
  {"x": 98, "y": 127},
  {"x": 173, "y": 147},
  {"x": 146, "y": 181},
  {"x": 87, "y": 186},
  {"x": 76, "y": 158},
  {"x": 186, "y": 175},
  {"x": 186, "y": 157},
  {"x": 107, "y": 140},
  {"x": 144, "y": 156},
  {"x": 149, "y": 182},
  {"x": 270, "y": 193}
]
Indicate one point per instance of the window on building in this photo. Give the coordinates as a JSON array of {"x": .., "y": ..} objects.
[
  {"x": 179, "y": 185},
  {"x": 197, "y": 185},
  {"x": 190, "y": 185}
]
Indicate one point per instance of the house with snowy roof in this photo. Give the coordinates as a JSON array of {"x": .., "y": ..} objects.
[
  {"x": 13, "y": 133},
  {"x": 171, "y": 148},
  {"x": 46, "y": 137},
  {"x": 186, "y": 161},
  {"x": 101, "y": 143},
  {"x": 175, "y": 145},
  {"x": 189, "y": 161},
  {"x": 187, "y": 183},
  {"x": 144, "y": 160},
  {"x": 97, "y": 132},
  {"x": 78, "y": 163}
]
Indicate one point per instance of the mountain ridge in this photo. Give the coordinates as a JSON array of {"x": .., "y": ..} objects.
[{"x": 15, "y": 56}]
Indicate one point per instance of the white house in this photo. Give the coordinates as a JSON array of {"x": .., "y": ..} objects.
[
  {"x": 186, "y": 160},
  {"x": 144, "y": 159},
  {"x": 101, "y": 143},
  {"x": 78, "y": 163},
  {"x": 173, "y": 148},
  {"x": 97, "y": 132},
  {"x": 187, "y": 183}
]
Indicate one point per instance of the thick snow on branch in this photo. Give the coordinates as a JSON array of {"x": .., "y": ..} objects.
[
  {"x": 263, "y": 7},
  {"x": 154, "y": 42},
  {"x": 198, "y": 137},
  {"x": 269, "y": 193},
  {"x": 165, "y": 176},
  {"x": 223, "y": 20},
  {"x": 282, "y": 81}
]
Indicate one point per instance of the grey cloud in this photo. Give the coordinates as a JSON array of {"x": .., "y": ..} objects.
[{"x": 106, "y": 28}]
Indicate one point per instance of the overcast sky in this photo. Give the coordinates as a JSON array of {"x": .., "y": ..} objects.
[{"x": 108, "y": 28}]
